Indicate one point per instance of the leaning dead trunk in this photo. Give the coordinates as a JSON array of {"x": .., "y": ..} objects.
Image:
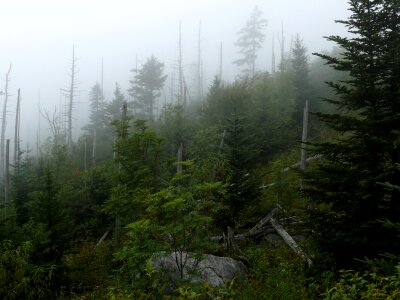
[
  {"x": 94, "y": 145},
  {"x": 290, "y": 241},
  {"x": 6, "y": 177},
  {"x": 70, "y": 92},
  {"x": 3, "y": 123},
  {"x": 16, "y": 133},
  {"x": 303, "y": 156}
]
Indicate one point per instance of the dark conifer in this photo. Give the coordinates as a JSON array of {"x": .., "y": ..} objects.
[{"x": 364, "y": 153}]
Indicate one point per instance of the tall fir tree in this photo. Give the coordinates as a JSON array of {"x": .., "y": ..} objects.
[
  {"x": 250, "y": 40},
  {"x": 114, "y": 108},
  {"x": 146, "y": 87},
  {"x": 301, "y": 79},
  {"x": 97, "y": 107},
  {"x": 348, "y": 181}
]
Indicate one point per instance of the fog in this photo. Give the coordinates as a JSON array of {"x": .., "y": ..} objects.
[{"x": 37, "y": 38}]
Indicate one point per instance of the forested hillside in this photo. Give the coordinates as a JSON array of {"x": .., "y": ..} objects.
[{"x": 287, "y": 179}]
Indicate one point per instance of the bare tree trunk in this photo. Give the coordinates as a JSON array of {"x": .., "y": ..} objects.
[
  {"x": 6, "y": 177},
  {"x": 282, "y": 46},
  {"x": 221, "y": 145},
  {"x": 290, "y": 241},
  {"x": 85, "y": 155},
  {"x": 16, "y": 132},
  {"x": 4, "y": 123},
  {"x": 179, "y": 157},
  {"x": 303, "y": 155},
  {"x": 199, "y": 68},
  {"x": 180, "y": 69},
  {"x": 184, "y": 95},
  {"x": 102, "y": 76},
  {"x": 94, "y": 145},
  {"x": 220, "y": 63},
  {"x": 273, "y": 56},
  {"x": 38, "y": 131},
  {"x": 71, "y": 98},
  {"x": 172, "y": 87}
]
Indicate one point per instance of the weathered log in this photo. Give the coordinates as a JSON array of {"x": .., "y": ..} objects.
[
  {"x": 231, "y": 245},
  {"x": 102, "y": 239},
  {"x": 260, "y": 228},
  {"x": 296, "y": 165},
  {"x": 289, "y": 240}
]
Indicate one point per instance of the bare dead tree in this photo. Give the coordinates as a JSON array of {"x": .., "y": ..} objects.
[
  {"x": 17, "y": 149},
  {"x": 179, "y": 158},
  {"x": 199, "y": 67},
  {"x": 38, "y": 130},
  {"x": 273, "y": 66},
  {"x": 85, "y": 154},
  {"x": 94, "y": 145},
  {"x": 220, "y": 62},
  {"x": 281, "y": 40},
  {"x": 180, "y": 68},
  {"x": 55, "y": 123},
  {"x": 303, "y": 155},
  {"x": 221, "y": 145},
  {"x": 102, "y": 76},
  {"x": 4, "y": 122},
  {"x": 7, "y": 177},
  {"x": 71, "y": 93}
]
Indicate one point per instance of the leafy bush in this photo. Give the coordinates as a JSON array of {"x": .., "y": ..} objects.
[
  {"x": 367, "y": 285},
  {"x": 20, "y": 279}
]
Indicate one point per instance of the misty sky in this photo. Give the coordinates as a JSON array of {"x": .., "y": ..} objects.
[{"x": 37, "y": 38}]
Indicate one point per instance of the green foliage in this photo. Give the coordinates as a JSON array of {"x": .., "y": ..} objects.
[
  {"x": 270, "y": 114},
  {"x": 176, "y": 219},
  {"x": 146, "y": 87},
  {"x": 275, "y": 273},
  {"x": 301, "y": 81},
  {"x": 176, "y": 128},
  {"x": 138, "y": 174},
  {"x": 364, "y": 153},
  {"x": 46, "y": 208},
  {"x": 282, "y": 185},
  {"x": 243, "y": 185},
  {"x": 19, "y": 278},
  {"x": 88, "y": 266},
  {"x": 114, "y": 108},
  {"x": 97, "y": 107},
  {"x": 367, "y": 285}
]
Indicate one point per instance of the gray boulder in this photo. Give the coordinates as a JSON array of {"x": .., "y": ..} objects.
[{"x": 210, "y": 269}]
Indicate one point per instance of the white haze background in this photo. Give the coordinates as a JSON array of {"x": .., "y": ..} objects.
[{"x": 37, "y": 38}]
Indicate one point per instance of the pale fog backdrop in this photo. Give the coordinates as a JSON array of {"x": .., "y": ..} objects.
[{"x": 37, "y": 38}]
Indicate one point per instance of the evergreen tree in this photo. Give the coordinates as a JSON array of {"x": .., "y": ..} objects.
[
  {"x": 251, "y": 38},
  {"x": 347, "y": 181},
  {"x": 97, "y": 107},
  {"x": 114, "y": 108},
  {"x": 301, "y": 78},
  {"x": 146, "y": 86},
  {"x": 243, "y": 188}
]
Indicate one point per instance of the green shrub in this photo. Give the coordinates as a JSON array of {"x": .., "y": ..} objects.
[
  {"x": 367, "y": 285},
  {"x": 19, "y": 278}
]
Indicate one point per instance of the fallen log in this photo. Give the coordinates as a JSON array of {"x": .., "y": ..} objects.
[
  {"x": 261, "y": 228},
  {"x": 266, "y": 225},
  {"x": 290, "y": 241},
  {"x": 102, "y": 239},
  {"x": 231, "y": 244}
]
